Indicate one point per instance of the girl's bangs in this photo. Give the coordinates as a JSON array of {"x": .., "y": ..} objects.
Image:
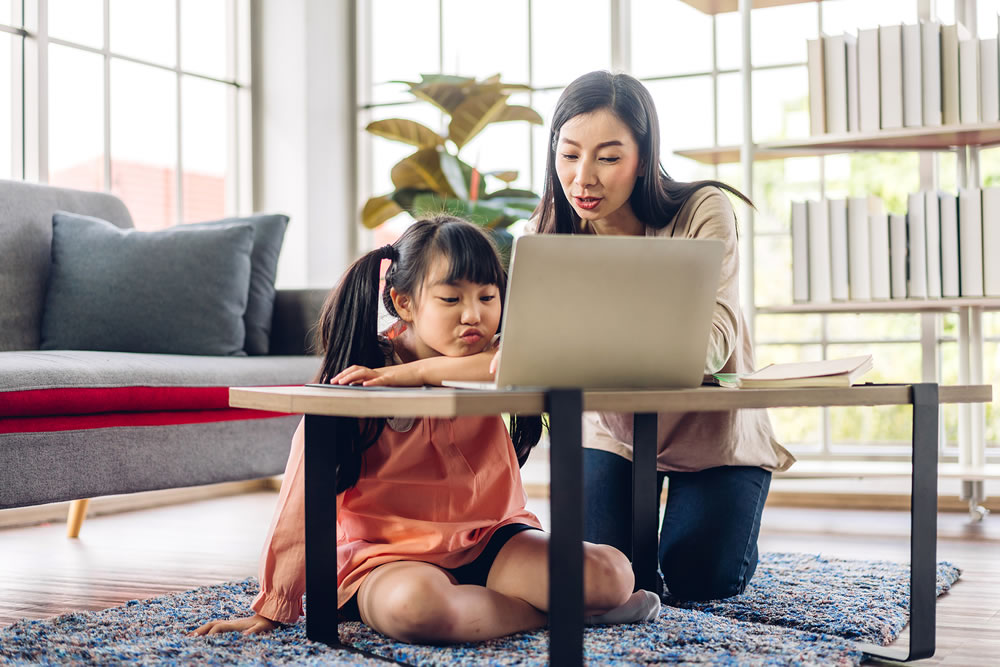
[{"x": 471, "y": 256}]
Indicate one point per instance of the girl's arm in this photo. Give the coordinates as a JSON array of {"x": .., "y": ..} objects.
[{"x": 433, "y": 371}]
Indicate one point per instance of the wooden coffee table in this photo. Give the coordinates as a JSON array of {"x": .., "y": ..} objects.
[{"x": 565, "y": 408}]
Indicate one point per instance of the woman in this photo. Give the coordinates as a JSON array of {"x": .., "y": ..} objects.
[{"x": 603, "y": 176}]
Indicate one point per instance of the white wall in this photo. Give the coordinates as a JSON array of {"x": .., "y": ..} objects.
[{"x": 304, "y": 133}]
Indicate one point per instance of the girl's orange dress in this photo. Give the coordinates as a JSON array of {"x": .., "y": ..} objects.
[{"x": 431, "y": 490}]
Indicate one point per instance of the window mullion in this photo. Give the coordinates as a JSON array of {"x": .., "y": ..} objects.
[
  {"x": 36, "y": 98},
  {"x": 179, "y": 175},
  {"x": 106, "y": 55}
]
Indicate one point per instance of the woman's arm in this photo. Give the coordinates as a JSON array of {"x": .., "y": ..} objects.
[
  {"x": 431, "y": 371},
  {"x": 712, "y": 217}
]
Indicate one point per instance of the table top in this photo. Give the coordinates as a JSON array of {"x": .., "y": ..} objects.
[{"x": 447, "y": 402}]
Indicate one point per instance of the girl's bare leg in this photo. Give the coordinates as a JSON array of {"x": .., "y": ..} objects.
[
  {"x": 421, "y": 603},
  {"x": 521, "y": 570}
]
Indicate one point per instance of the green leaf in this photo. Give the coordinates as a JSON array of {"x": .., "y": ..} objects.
[
  {"x": 527, "y": 204},
  {"x": 507, "y": 175},
  {"x": 473, "y": 114},
  {"x": 421, "y": 171},
  {"x": 512, "y": 192},
  {"x": 453, "y": 173},
  {"x": 426, "y": 79},
  {"x": 377, "y": 210},
  {"x": 515, "y": 112},
  {"x": 407, "y": 131},
  {"x": 467, "y": 175},
  {"x": 480, "y": 214},
  {"x": 405, "y": 196}
]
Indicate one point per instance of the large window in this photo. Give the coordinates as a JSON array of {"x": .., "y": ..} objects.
[
  {"x": 146, "y": 99},
  {"x": 690, "y": 62}
]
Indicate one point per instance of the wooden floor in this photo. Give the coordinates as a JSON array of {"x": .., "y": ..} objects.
[{"x": 145, "y": 553}]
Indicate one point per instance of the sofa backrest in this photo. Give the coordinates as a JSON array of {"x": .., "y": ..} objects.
[{"x": 26, "y": 251}]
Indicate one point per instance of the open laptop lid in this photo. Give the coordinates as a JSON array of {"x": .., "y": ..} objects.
[{"x": 608, "y": 312}]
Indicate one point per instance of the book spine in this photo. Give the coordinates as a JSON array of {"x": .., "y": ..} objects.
[
  {"x": 930, "y": 53},
  {"x": 819, "y": 252},
  {"x": 858, "y": 253},
  {"x": 890, "y": 49},
  {"x": 879, "y": 226},
  {"x": 800, "y": 253},
  {"x": 897, "y": 255},
  {"x": 868, "y": 77},
  {"x": 970, "y": 242},
  {"x": 835, "y": 75},
  {"x": 837, "y": 216},
  {"x": 817, "y": 99},
  {"x": 968, "y": 84},
  {"x": 932, "y": 218},
  {"x": 949, "y": 245},
  {"x": 913, "y": 94},
  {"x": 991, "y": 241},
  {"x": 989, "y": 85},
  {"x": 853, "y": 89},
  {"x": 949, "y": 75},
  {"x": 916, "y": 284}
]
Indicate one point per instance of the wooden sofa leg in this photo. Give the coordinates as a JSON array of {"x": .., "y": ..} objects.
[{"x": 77, "y": 512}]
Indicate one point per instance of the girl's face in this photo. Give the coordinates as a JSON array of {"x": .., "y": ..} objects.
[
  {"x": 449, "y": 319},
  {"x": 597, "y": 162}
]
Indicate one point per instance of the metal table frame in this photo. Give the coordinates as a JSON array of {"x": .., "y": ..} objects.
[{"x": 565, "y": 408}]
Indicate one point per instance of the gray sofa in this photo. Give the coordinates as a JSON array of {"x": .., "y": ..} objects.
[{"x": 75, "y": 424}]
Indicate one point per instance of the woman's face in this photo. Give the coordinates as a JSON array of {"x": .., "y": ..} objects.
[{"x": 597, "y": 162}]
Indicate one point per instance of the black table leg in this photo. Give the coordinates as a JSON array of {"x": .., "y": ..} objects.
[
  {"x": 321, "y": 529},
  {"x": 923, "y": 531},
  {"x": 645, "y": 504},
  {"x": 565, "y": 408}
]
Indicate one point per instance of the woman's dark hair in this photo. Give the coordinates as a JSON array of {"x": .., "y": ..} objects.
[
  {"x": 348, "y": 325},
  {"x": 656, "y": 197}
]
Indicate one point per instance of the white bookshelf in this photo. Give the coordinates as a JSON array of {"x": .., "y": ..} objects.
[
  {"x": 724, "y": 6},
  {"x": 889, "y": 306},
  {"x": 906, "y": 139},
  {"x": 966, "y": 139}
]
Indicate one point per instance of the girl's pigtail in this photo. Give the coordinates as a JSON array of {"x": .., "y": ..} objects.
[
  {"x": 348, "y": 335},
  {"x": 525, "y": 433}
]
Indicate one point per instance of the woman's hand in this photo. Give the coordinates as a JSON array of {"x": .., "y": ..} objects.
[
  {"x": 401, "y": 375},
  {"x": 494, "y": 362},
  {"x": 251, "y": 625}
]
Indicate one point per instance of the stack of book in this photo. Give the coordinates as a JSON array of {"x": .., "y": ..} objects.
[
  {"x": 852, "y": 250},
  {"x": 826, "y": 373},
  {"x": 894, "y": 76}
]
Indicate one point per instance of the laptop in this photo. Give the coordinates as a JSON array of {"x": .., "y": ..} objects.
[{"x": 608, "y": 312}]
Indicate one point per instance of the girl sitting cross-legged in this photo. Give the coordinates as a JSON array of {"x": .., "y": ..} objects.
[{"x": 434, "y": 542}]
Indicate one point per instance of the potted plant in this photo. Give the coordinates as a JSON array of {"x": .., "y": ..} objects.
[{"x": 434, "y": 179}]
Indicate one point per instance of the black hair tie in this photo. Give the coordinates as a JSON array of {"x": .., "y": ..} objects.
[{"x": 388, "y": 251}]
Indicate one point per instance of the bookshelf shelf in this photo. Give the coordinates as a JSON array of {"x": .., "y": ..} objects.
[
  {"x": 906, "y": 139},
  {"x": 891, "y": 306},
  {"x": 724, "y": 6}
]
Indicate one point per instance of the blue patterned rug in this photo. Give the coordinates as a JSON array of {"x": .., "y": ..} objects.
[{"x": 800, "y": 609}]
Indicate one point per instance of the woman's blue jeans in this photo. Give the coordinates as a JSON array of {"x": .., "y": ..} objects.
[{"x": 708, "y": 541}]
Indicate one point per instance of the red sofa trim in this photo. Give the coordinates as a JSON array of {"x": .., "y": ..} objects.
[
  {"x": 125, "y": 419},
  {"x": 61, "y": 401}
]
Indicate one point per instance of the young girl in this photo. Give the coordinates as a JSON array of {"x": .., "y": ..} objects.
[{"x": 434, "y": 542}]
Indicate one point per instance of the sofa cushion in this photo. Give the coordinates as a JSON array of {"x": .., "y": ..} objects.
[
  {"x": 175, "y": 291},
  {"x": 25, "y": 251},
  {"x": 268, "y": 234},
  {"x": 66, "y": 382}
]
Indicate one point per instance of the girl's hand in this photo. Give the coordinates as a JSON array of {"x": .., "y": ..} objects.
[
  {"x": 494, "y": 363},
  {"x": 402, "y": 375},
  {"x": 251, "y": 625}
]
